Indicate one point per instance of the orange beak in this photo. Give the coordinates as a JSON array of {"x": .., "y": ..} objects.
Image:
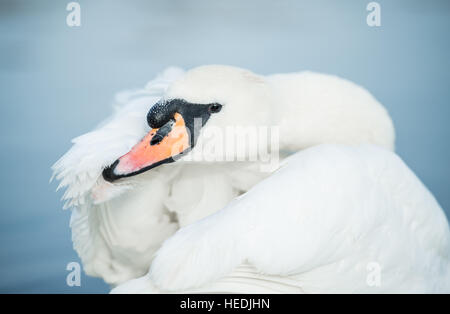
[{"x": 159, "y": 146}]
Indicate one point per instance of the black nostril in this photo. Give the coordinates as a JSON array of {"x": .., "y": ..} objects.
[
  {"x": 156, "y": 139},
  {"x": 162, "y": 132}
]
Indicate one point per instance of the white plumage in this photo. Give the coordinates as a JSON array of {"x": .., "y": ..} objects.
[
  {"x": 312, "y": 226},
  {"x": 320, "y": 220}
]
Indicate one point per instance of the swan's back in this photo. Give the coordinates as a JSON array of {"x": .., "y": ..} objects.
[
  {"x": 349, "y": 208},
  {"x": 328, "y": 109}
]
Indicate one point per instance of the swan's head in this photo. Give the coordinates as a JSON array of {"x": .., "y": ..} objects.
[{"x": 218, "y": 96}]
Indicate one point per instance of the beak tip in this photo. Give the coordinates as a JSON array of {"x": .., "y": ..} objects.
[{"x": 108, "y": 173}]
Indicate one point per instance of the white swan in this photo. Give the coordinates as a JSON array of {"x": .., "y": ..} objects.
[{"x": 117, "y": 225}]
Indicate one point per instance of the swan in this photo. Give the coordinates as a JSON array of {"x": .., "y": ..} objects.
[{"x": 131, "y": 190}]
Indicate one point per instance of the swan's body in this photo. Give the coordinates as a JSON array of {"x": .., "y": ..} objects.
[
  {"x": 118, "y": 225},
  {"x": 334, "y": 211}
]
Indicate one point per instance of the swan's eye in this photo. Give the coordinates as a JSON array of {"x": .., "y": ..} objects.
[{"x": 214, "y": 108}]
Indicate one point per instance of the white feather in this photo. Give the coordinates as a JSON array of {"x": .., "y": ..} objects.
[{"x": 320, "y": 220}]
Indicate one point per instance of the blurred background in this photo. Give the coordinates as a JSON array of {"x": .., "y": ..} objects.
[{"x": 58, "y": 82}]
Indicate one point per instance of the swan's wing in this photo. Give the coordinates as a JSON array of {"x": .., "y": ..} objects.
[
  {"x": 97, "y": 205},
  {"x": 333, "y": 215},
  {"x": 244, "y": 279},
  {"x": 332, "y": 219}
]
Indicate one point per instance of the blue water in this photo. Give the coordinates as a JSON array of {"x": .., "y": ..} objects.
[{"x": 58, "y": 82}]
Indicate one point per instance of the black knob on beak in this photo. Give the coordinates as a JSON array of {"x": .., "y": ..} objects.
[{"x": 161, "y": 113}]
